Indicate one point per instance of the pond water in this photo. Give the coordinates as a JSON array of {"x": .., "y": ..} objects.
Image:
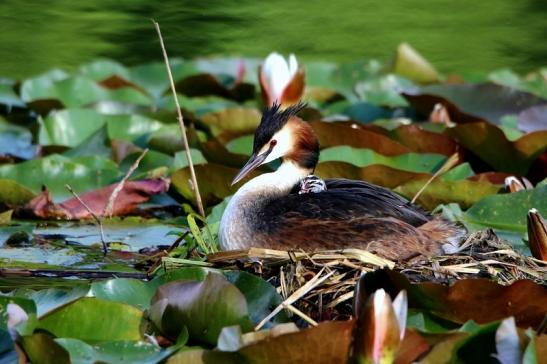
[{"x": 457, "y": 36}]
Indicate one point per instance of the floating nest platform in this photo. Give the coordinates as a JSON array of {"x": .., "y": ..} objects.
[{"x": 323, "y": 282}]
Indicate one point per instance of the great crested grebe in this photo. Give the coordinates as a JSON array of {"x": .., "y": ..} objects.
[{"x": 289, "y": 209}]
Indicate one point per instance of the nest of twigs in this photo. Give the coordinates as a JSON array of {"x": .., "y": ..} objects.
[{"x": 318, "y": 286}]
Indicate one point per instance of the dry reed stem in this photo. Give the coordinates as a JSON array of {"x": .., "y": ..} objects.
[
  {"x": 450, "y": 162},
  {"x": 296, "y": 295},
  {"x": 109, "y": 208},
  {"x": 181, "y": 124}
]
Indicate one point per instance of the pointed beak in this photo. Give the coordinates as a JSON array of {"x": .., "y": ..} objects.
[{"x": 251, "y": 165}]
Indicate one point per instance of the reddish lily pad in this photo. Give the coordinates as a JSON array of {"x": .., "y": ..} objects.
[
  {"x": 356, "y": 135},
  {"x": 491, "y": 145},
  {"x": 131, "y": 195},
  {"x": 465, "y": 299},
  {"x": 473, "y": 102},
  {"x": 376, "y": 173}
]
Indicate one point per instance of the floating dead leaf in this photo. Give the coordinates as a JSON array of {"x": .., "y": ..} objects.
[{"x": 132, "y": 194}]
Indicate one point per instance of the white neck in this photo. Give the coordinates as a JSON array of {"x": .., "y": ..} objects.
[
  {"x": 235, "y": 230},
  {"x": 279, "y": 182}
]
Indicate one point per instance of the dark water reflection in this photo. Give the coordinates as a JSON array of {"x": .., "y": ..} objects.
[{"x": 459, "y": 36}]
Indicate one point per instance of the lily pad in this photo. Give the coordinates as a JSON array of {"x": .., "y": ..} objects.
[
  {"x": 204, "y": 307},
  {"x": 83, "y": 174},
  {"x": 114, "y": 351},
  {"x": 375, "y": 173},
  {"x": 126, "y": 290},
  {"x": 472, "y": 102},
  {"x": 507, "y": 212},
  {"x": 409, "y": 63},
  {"x": 13, "y": 194},
  {"x": 411, "y": 162},
  {"x": 90, "y": 319},
  {"x": 261, "y": 296},
  {"x": 356, "y": 135},
  {"x": 490, "y": 143},
  {"x": 464, "y": 192},
  {"x": 241, "y": 120}
]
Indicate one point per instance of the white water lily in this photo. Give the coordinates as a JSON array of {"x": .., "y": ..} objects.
[
  {"x": 281, "y": 81},
  {"x": 16, "y": 316},
  {"x": 381, "y": 325},
  {"x": 384, "y": 308}
]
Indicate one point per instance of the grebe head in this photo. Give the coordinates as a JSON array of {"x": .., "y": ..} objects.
[{"x": 281, "y": 134}]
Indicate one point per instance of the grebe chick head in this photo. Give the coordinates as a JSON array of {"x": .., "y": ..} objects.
[{"x": 281, "y": 134}]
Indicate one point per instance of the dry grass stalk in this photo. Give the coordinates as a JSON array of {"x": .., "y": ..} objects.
[
  {"x": 281, "y": 256},
  {"x": 296, "y": 295},
  {"x": 109, "y": 208},
  {"x": 450, "y": 162},
  {"x": 181, "y": 124}
]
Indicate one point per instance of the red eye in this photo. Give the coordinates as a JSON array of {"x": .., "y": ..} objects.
[{"x": 273, "y": 143}]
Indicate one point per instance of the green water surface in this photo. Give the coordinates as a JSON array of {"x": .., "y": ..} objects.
[{"x": 457, "y": 36}]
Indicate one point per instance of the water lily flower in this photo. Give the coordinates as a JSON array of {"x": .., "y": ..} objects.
[
  {"x": 281, "y": 81},
  {"x": 380, "y": 328},
  {"x": 537, "y": 234},
  {"x": 16, "y": 316},
  {"x": 514, "y": 184}
]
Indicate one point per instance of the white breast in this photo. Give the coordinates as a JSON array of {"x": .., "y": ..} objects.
[{"x": 236, "y": 226}]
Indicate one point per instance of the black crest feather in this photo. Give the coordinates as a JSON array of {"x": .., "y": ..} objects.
[{"x": 273, "y": 119}]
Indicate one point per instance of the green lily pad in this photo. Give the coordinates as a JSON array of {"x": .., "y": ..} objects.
[
  {"x": 204, "y": 307},
  {"x": 126, "y": 290},
  {"x": 383, "y": 91},
  {"x": 13, "y": 194},
  {"x": 508, "y": 211},
  {"x": 42, "y": 86},
  {"x": 16, "y": 141},
  {"x": 130, "y": 127},
  {"x": 464, "y": 192},
  {"x": 261, "y": 296},
  {"x": 101, "y": 69},
  {"x": 409, "y": 63},
  {"x": 42, "y": 349},
  {"x": 241, "y": 120},
  {"x": 91, "y": 319},
  {"x": 412, "y": 162},
  {"x": 114, "y": 351},
  {"x": 83, "y": 174},
  {"x": 69, "y": 127}
]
